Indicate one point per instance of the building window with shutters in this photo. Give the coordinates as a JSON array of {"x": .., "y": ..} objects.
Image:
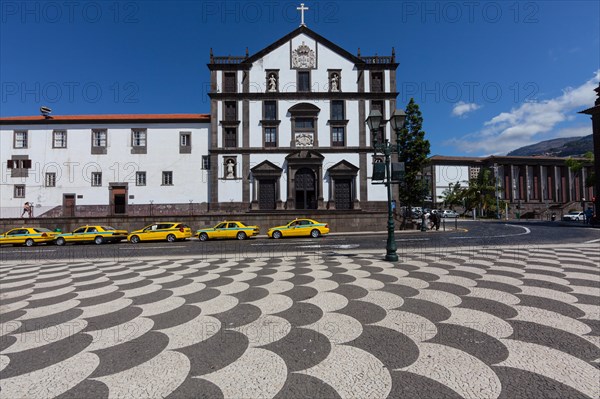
[
  {"x": 229, "y": 82},
  {"x": 59, "y": 139},
  {"x": 140, "y": 178},
  {"x": 230, "y": 110},
  {"x": 338, "y": 136},
  {"x": 99, "y": 141},
  {"x": 270, "y": 136},
  {"x": 167, "y": 178},
  {"x": 138, "y": 141},
  {"x": 303, "y": 81},
  {"x": 19, "y": 166},
  {"x": 206, "y": 162},
  {"x": 376, "y": 81},
  {"x": 19, "y": 191},
  {"x": 185, "y": 143},
  {"x": 20, "y": 139},
  {"x": 96, "y": 179},
  {"x": 230, "y": 137},
  {"x": 50, "y": 180}
]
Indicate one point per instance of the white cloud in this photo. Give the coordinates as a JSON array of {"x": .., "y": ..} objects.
[
  {"x": 462, "y": 108},
  {"x": 531, "y": 122}
]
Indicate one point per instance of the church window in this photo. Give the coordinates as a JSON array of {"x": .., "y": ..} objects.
[
  {"x": 303, "y": 81},
  {"x": 230, "y": 137},
  {"x": 229, "y": 84},
  {"x": 376, "y": 81}
]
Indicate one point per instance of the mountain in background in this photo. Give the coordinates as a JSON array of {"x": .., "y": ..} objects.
[{"x": 565, "y": 147}]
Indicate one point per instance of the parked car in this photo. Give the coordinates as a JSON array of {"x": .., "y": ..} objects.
[
  {"x": 169, "y": 231},
  {"x": 298, "y": 228},
  {"x": 447, "y": 213},
  {"x": 228, "y": 229},
  {"x": 573, "y": 216},
  {"x": 97, "y": 234},
  {"x": 27, "y": 236}
]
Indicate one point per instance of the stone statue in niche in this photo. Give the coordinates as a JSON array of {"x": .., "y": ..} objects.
[
  {"x": 334, "y": 83},
  {"x": 230, "y": 169},
  {"x": 272, "y": 83}
]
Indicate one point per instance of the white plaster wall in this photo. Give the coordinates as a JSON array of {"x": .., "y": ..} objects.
[
  {"x": 230, "y": 190},
  {"x": 280, "y": 59},
  {"x": 73, "y": 166}
]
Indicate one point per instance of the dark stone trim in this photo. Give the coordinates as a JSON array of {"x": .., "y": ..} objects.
[
  {"x": 287, "y": 150},
  {"x": 229, "y": 123},
  {"x": 299, "y": 96},
  {"x": 363, "y": 182},
  {"x": 229, "y": 67},
  {"x": 270, "y": 122},
  {"x": 246, "y": 178}
]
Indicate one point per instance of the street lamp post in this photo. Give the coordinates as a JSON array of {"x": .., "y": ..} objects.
[{"x": 375, "y": 122}]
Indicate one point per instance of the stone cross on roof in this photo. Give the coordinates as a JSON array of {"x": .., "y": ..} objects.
[{"x": 302, "y": 9}]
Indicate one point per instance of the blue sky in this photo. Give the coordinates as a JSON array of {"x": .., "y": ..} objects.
[{"x": 489, "y": 76}]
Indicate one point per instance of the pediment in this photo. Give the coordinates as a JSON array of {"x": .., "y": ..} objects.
[
  {"x": 266, "y": 167},
  {"x": 312, "y": 34},
  {"x": 305, "y": 155},
  {"x": 343, "y": 168}
]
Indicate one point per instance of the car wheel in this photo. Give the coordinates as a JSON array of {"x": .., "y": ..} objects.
[
  {"x": 60, "y": 241},
  {"x": 98, "y": 240},
  {"x": 134, "y": 239},
  {"x": 241, "y": 235},
  {"x": 171, "y": 238},
  {"x": 277, "y": 234},
  {"x": 315, "y": 233},
  {"x": 29, "y": 242},
  {"x": 203, "y": 237}
]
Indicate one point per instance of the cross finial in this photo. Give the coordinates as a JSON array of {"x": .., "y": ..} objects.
[{"x": 302, "y": 9}]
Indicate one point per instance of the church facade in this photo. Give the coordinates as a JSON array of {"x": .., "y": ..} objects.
[
  {"x": 288, "y": 125},
  {"x": 286, "y": 131}
]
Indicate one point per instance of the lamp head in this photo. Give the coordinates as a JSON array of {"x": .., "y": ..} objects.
[
  {"x": 397, "y": 120},
  {"x": 374, "y": 120}
]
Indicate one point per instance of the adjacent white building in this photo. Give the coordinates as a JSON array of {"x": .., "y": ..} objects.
[{"x": 102, "y": 164}]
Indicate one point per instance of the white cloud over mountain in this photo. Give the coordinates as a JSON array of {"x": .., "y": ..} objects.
[{"x": 532, "y": 122}]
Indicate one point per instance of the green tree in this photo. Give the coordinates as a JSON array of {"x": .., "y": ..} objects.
[
  {"x": 453, "y": 195},
  {"x": 576, "y": 165},
  {"x": 481, "y": 193},
  {"x": 413, "y": 151}
]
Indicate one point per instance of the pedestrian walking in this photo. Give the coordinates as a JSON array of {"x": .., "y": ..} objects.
[{"x": 26, "y": 209}]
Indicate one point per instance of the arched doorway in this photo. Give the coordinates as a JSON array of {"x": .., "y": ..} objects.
[{"x": 305, "y": 189}]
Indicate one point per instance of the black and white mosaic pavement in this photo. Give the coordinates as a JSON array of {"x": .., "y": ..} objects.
[{"x": 476, "y": 324}]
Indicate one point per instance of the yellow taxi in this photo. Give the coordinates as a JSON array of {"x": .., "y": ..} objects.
[
  {"x": 97, "y": 234},
  {"x": 228, "y": 229},
  {"x": 170, "y": 231},
  {"x": 299, "y": 228},
  {"x": 27, "y": 236}
]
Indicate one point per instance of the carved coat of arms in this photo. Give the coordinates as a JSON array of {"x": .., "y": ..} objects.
[
  {"x": 304, "y": 140},
  {"x": 303, "y": 57}
]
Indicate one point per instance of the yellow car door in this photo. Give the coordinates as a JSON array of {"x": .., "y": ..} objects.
[
  {"x": 77, "y": 235},
  {"x": 304, "y": 227},
  {"x": 220, "y": 231},
  {"x": 152, "y": 233},
  {"x": 232, "y": 229},
  {"x": 15, "y": 236},
  {"x": 7, "y": 237}
]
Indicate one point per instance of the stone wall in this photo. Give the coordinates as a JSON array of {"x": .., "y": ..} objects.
[{"x": 339, "y": 221}]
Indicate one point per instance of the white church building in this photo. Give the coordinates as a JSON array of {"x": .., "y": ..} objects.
[{"x": 286, "y": 130}]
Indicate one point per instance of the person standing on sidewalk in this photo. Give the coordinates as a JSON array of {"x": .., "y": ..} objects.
[{"x": 26, "y": 209}]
